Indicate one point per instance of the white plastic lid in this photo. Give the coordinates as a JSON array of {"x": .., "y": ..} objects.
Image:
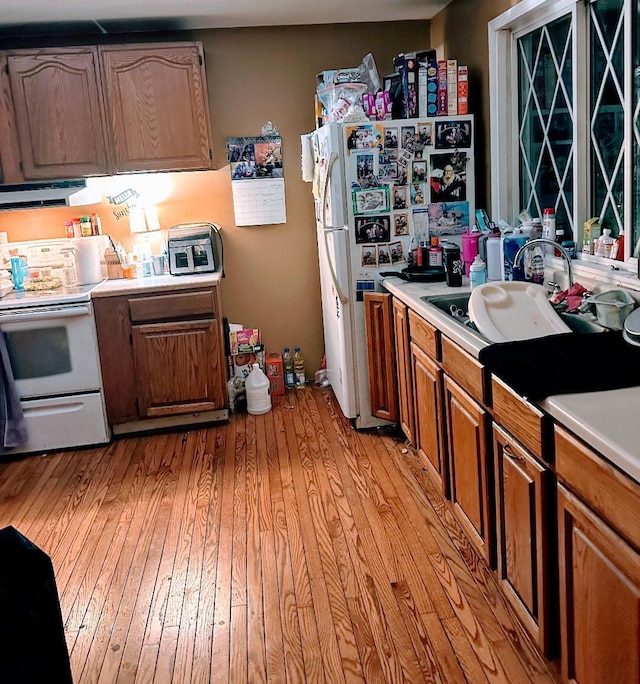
[
  {"x": 478, "y": 263},
  {"x": 514, "y": 310}
]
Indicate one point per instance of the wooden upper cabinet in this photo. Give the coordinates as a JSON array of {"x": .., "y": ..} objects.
[
  {"x": 157, "y": 106},
  {"x": 57, "y": 103}
]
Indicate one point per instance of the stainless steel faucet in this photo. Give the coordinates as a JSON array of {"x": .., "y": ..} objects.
[{"x": 545, "y": 241}]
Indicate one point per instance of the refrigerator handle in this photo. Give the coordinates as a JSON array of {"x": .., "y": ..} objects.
[{"x": 326, "y": 230}]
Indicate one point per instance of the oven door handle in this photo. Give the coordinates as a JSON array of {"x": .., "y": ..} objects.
[{"x": 66, "y": 312}]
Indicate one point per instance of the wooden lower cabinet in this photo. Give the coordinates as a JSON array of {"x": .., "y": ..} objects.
[
  {"x": 470, "y": 467},
  {"x": 599, "y": 598},
  {"x": 525, "y": 541},
  {"x": 162, "y": 355},
  {"x": 172, "y": 371},
  {"x": 403, "y": 359},
  {"x": 381, "y": 359},
  {"x": 429, "y": 418}
]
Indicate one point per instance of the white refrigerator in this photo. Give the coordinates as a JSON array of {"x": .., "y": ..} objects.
[{"x": 380, "y": 188}]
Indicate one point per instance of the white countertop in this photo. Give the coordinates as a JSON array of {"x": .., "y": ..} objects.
[
  {"x": 607, "y": 421},
  {"x": 120, "y": 286}
]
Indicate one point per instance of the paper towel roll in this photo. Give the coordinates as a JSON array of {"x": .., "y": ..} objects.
[{"x": 307, "y": 162}]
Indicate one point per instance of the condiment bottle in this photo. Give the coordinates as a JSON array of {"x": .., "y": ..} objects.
[
  {"x": 617, "y": 250},
  {"x": 85, "y": 226},
  {"x": 435, "y": 253},
  {"x": 96, "y": 225}
]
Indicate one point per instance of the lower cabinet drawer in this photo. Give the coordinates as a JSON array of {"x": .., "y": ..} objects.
[
  {"x": 172, "y": 307},
  {"x": 466, "y": 371},
  {"x": 525, "y": 422}
]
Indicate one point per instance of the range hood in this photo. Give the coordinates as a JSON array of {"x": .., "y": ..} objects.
[{"x": 46, "y": 194}]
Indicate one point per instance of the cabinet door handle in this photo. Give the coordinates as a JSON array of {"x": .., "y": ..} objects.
[{"x": 511, "y": 455}]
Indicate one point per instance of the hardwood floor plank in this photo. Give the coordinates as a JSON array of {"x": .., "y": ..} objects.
[
  {"x": 220, "y": 645},
  {"x": 286, "y": 547},
  {"x": 286, "y": 597},
  {"x": 256, "y": 656},
  {"x": 208, "y": 594}
]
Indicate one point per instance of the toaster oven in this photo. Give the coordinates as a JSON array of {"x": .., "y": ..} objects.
[{"x": 194, "y": 248}]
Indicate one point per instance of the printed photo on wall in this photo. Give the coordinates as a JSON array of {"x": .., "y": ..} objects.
[
  {"x": 400, "y": 197},
  {"x": 365, "y": 170},
  {"x": 373, "y": 229},
  {"x": 243, "y": 169},
  {"x": 269, "y": 158},
  {"x": 425, "y": 134},
  {"x": 452, "y": 134},
  {"x": 369, "y": 256},
  {"x": 407, "y": 134},
  {"x": 402, "y": 175},
  {"x": 255, "y": 157},
  {"x": 390, "y": 138},
  {"x": 364, "y": 137},
  {"x": 371, "y": 200},
  {"x": 384, "y": 257},
  {"x": 400, "y": 224},
  {"x": 397, "y": 252},
  {"x": 448, "y": 177},
  {"x": 419, "y": 171},
  {"x": 416, "y": 192},
  {"x": 448, "y": 218}
]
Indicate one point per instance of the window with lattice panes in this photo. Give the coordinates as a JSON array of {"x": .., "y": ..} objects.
[{"x": 565, "y": 114}]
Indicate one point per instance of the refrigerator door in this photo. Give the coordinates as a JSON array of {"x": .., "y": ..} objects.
[
  {"x": 333, "y": 256},
  {"x": 336, "y": 317}
]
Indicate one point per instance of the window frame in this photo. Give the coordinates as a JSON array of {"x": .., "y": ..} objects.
[{"x": 504, "y": 32}]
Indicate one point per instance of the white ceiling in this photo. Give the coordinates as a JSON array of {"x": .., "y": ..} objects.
[{"x": 192, "y": 14}]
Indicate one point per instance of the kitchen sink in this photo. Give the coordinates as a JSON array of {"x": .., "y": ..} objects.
[{"x": 457, "y": 307}]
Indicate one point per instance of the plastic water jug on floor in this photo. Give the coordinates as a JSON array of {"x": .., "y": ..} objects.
[{"x": 257, "y": 389}]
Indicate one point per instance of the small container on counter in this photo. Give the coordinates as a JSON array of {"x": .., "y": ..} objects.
[
  {"x": 478, "y": 272},
  {"x": 453, "y": 265}
]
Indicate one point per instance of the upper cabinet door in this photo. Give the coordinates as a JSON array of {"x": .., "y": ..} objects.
[
  {"x": 157, "y": 106},
  {"x": 58, "y": 112}
]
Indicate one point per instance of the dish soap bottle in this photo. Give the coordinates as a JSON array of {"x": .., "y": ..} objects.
[{"x": 478, "y": 272}]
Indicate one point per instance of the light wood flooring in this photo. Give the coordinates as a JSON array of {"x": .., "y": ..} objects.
[{"x": 279, "y": 548}]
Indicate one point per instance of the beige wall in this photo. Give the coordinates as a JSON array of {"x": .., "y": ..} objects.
[{"x": 256, "y": 75}]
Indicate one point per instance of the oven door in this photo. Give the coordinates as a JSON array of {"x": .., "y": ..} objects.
[{"x": 53, "y": 350}]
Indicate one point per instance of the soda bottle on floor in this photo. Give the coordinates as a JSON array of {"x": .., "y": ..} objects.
[
  {"x": 298, "y": 366},
  {"x": 287, "y": 364}
]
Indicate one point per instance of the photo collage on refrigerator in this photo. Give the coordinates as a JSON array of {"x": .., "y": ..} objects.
[{"x": 408, "y": 183}]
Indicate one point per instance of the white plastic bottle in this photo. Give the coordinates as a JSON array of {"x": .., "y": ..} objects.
[
  {"x": 257, "y": 389},
  {"x": 477, "y": 272},
  {"x": 605, "y": 243},
  {"x": 298, "y": 366},
  {"x": 494, "y": 257},
  {"x": 549, "y": 224}
]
